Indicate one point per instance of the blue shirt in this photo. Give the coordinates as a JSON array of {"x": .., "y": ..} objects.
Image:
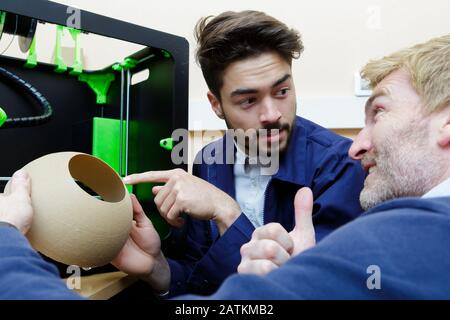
[
  {"x": 250, "y": 185},
  {"x": 441, "y": 190}
]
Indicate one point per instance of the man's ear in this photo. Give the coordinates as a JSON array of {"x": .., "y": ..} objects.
[
  {"x": 215, "y": 105},
  {"x": 444, "y": 132}
]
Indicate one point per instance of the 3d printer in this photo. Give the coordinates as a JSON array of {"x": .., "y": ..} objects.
[{"x": 60, "y": 102}]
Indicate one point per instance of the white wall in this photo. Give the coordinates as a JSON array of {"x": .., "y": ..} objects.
[{"x": 339, "y": 37}]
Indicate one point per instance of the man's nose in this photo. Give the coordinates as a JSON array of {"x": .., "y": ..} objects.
[
  {"x": 360, "y": 145},
  {"x": 270, "y": 112}
]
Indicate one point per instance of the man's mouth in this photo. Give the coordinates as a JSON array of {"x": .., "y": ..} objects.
[
  {"x": 275, "y": 135},
  {"x": 369, "y": 166}
]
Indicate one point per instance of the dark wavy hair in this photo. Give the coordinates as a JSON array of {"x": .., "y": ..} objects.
[{"x": 233, "y": 36}]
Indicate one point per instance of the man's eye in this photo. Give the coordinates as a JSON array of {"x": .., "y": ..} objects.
[
  {"x": 282, "y": 92},
  {"x": 377, "y": 111},
  {"x": 247, "y": 102}
]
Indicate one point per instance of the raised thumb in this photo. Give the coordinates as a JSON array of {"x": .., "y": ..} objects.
[{"x": 303, "y": 234}]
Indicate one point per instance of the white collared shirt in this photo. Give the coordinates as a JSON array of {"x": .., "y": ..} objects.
[
  {"x": 441, "y": 190},
  {"x": 250, "y": 186}
]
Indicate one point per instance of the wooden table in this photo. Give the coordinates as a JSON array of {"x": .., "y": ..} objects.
[{"x": 104, "y": 285}]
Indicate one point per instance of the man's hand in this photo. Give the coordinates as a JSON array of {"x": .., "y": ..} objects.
[
  {"x": 141, "y": 255},
  {"x": 271, "y": 245},
  {"x": 15, "y": 205},
  {"x": 186, "y": 193}
]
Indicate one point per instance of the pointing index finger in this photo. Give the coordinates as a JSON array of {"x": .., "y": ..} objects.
[{"x": 149, "y": 176}]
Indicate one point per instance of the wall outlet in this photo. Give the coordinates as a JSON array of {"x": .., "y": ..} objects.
[{"x": 362, "y": 88}]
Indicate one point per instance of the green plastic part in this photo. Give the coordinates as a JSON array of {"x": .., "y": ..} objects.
[
  {"x": 128, "y": 63},
  {"x": 2, "y": 18},
  {"x": 32, "y": 56},
  {"x": 117, "y": 67},
  {"x": 166, "y": 143},
  {"x": 59, "y": 61},
  {"x": 77, "y": 67},
  {"x": 106, "y": 142},
  {"x": 129, "y": 188},
  {"x": 3, "y": 117},
  {"x": 166, "y": 54},
  {"x": 100, "y": 83}
]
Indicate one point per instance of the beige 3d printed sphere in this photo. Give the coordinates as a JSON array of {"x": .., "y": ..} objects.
[{"x": 70, "y": 225}]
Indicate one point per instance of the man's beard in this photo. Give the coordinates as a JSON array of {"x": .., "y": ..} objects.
[
  {"x": 405, "y": 167},
  {"x": 266, "y": 147}
]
